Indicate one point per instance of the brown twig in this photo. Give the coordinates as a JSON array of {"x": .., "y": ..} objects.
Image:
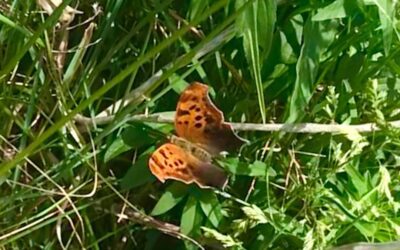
[{"x": 148, "y": 221}]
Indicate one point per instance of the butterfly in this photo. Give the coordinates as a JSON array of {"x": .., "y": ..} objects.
[{"x": 201, "y": 135}]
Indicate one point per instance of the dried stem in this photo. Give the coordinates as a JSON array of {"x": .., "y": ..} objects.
[
  {"x": 150, "y": 222},
  {"x": 311, "y": 128}
]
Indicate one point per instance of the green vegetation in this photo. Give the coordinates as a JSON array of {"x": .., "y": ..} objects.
[{"x": 73, "y": 159}]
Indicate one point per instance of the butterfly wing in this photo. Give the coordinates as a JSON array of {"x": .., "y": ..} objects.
[
  {"x": 199, "y": 121},
  {"x": 172, "y": 162}
]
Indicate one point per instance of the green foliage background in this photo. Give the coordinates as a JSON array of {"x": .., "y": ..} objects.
[{"x": 64, "y": 180}]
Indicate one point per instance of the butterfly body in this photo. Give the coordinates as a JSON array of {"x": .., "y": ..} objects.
[
  {"x": 192, "y": 148},
  {"x": 202, "y": 134}
]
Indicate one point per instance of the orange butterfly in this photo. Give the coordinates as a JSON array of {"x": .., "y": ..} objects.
[{"x": 202, "y": 134}]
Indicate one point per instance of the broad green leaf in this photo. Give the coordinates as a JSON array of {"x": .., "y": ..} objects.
[
  {"x": 172, "y": 196},
  {"x": 236, "y": 167},
  {"x": 357, "y": 179},
  {"x": 316, "y": 41},
  {"x": 211, "y": 207},
  {"x": 138, "y": 174},
  {"x": 191, "y": 217},
  {"x": 368, "y": 229},
  {"x": 116, "y": 148},
  {"x": 138, "y": 135}
]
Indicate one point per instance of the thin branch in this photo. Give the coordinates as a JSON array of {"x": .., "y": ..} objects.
[
  {"x": 150, "y": 222},
  {"x": 311, "y": 128}
]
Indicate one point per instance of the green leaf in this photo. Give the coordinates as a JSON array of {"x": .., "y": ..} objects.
[
  {"x": 211, "y": 207},
  {"x": 316, "y": 41},
  {"x": 138, "y": 135},
  {"x": 138, "y": 174},
  {"x": 256, "y": 25},
  {"x": 368, "y": 229},
  {"x": 173, "y": 195},
  {"x": 117, "y": 147},
  {"x": 357, "y": 179},
  {"x": 191, "y": 217},
  {"x": 236, "y": 167}
]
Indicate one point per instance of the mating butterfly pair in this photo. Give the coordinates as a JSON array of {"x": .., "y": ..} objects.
[{"x": 202, "y": 134}]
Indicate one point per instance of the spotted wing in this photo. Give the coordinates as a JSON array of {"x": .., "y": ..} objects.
[
  {"x": 172, "y": 162},
  {"x": 199, "y": 121}
]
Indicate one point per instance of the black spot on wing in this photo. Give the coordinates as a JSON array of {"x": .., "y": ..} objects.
[
  {"x": 192, "y": 107},
  {"x": 197, "y": 125},
  {"x": 182, "y": 112},
  {"x": 198, "y": 117},
  {"x": 157, "y": 162},
  {"x": 162, "y": 152}
]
